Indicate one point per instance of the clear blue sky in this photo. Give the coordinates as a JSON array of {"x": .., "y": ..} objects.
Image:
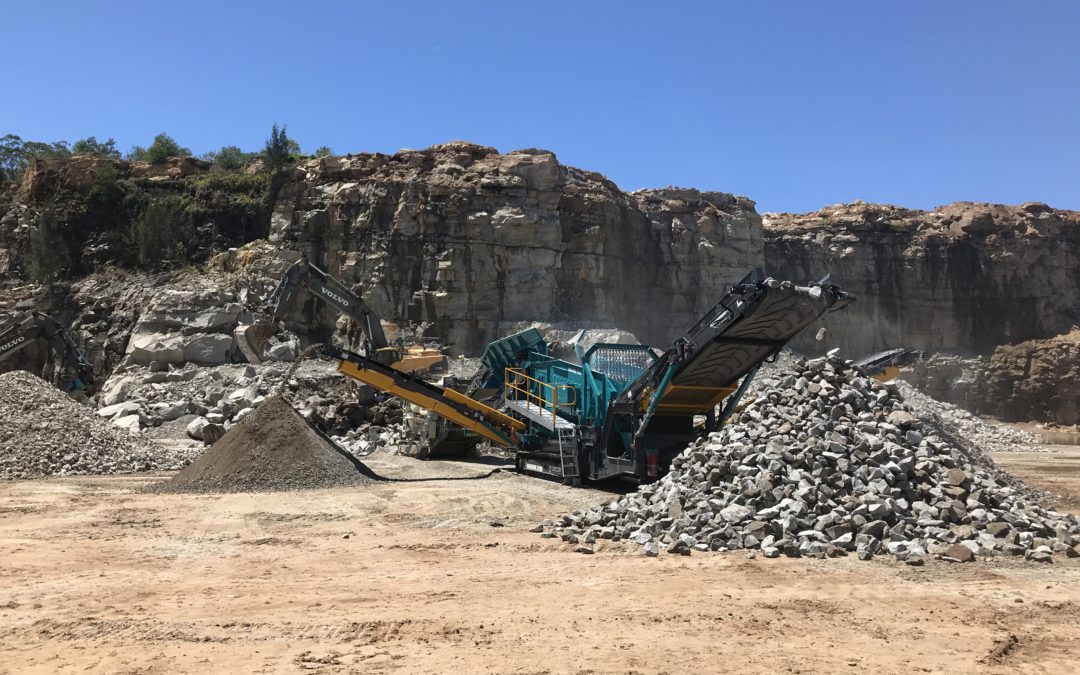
[{"x": 795, "y": 104}]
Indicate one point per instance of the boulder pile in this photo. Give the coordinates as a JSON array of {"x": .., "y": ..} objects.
[
  {"x": 138, "y": 398},
  {"x": 828, "y": 462},
  {"x": 44, "y": 433},
  {"x": 203, "y": 403}
]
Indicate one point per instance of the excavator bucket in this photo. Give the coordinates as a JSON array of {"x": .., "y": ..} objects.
[{"x": 252, "y": 340}]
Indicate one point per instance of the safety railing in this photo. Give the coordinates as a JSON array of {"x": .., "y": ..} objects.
[{"x": 549, "y": 398}]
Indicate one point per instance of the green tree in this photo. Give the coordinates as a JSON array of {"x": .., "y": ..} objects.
[
  {"x": 91, "y": 146},
  {"x": 163, "y": 148},
  {"x": 105, "y": 189},
  {"x": 323, "y": 151},
  {"x": 49, "y": 256},
  {"x": 12, "y": 157},
  {"x": 39, "y": 150},
  {"x": 279, "y": 150},
  {"x": 231, "y": 158},
  {"x": 137, "y": 153},
  {"x": 164, "y": 232},
  {"x": 15, "y": 154}
]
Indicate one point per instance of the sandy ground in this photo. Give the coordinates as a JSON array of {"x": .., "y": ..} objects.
[{"x": 441, "y": 576}]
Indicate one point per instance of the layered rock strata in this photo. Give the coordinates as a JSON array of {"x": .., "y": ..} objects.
[
  {"x": 962, "y": 278},
  {"x": 465, "y": 240}
]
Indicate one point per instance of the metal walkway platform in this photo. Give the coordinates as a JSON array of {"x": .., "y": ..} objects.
[{"x": 541, "y": 416}]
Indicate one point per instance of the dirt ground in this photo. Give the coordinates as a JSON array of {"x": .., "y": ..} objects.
[{"x": 440, "y": 576}]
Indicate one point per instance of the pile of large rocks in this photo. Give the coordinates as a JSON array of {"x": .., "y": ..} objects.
[
  {"x": 138, "y": 397},
  {"x": 43, "y": 432},
  {"x": 203, "y": 403},
  {"x": 828, "y": 461}
]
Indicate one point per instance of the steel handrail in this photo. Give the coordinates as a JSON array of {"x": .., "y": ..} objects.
[{"x": 516, "y": 381}]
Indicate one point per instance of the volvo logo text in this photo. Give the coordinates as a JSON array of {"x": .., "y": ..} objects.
[
  {"x": 334, "y": 296},
  {"x": 12, "y": 343}
]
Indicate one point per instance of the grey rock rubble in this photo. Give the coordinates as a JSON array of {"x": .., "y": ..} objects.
[
  {"x": 976, "y": 434},
  {"x": 828, "y": 462},
  {"x": 161, "y": 394},
  {"x": 43, "y": 432}
]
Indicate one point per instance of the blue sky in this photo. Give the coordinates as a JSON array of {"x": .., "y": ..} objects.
[{"x": 794, "y": 104}]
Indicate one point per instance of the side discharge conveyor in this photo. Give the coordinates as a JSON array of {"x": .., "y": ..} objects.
[{"x": 454, "y": 406}]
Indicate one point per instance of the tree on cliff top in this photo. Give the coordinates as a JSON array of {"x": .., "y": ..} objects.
[
  {"x": 231, "y": 158},
  {"x": 91, "y": 146},
  {"x": 159, "y": 151},
  {"x": 280, "y": 150},
  {"x": 15, "y": 154}
]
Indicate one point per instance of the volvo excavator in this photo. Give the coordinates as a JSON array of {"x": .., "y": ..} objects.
[
  {"x": 624, "y": 411},
  {"x": 303, "y": 276},
  {"x": 28, "y": 328}
]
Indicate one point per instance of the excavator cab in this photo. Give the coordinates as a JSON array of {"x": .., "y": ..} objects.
[{"x": 387, "y": 356}]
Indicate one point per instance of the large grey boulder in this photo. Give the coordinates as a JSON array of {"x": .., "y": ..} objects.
[
  {"x": 195, "y": 428},
  {"x": 119, "y": 410},
  {"x": 172, "y": 410},
  {"x": 146, "y": 348},
  {"x": 130, "y": 422},
  {"x": 209, "y": 349},
  {"x": 116, "y": 390},
  {"x": 284, "y": 351}
]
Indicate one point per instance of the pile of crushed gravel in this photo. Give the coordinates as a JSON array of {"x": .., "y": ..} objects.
[
  {"x": 45, "y": 433},
  {"x": 271, "y": 449},
  {"x": 825, "y": 462}
]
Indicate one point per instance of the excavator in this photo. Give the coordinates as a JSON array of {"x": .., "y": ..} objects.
[
  {"x": 27, "y": 328},
  {"x": 624, "y": 411},
  {"x": 302, "y": 276}
]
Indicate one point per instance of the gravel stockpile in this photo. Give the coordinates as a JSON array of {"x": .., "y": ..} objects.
[
  {"x": 827, "y": 462},
  {"x": 45, "y": 433},
  {"x": 975, "y": 434},
  {"x": 271, "y": 449}
]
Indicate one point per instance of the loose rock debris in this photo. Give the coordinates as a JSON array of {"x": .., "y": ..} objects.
[
  {"x": 43, "y": 432},
  {"x": 828, "y": 462}
]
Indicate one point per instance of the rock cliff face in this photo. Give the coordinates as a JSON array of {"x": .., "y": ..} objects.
[
  {"x": 962, "y": 278},
  {"x": 467, "y": 240},
  {"x": 471, "y": 244},
  {"x": 1032, "y": 380}
]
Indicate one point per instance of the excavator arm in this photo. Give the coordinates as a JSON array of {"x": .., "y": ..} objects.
[
  {"x": 28, "y": 328},
  {"x": 303, "y": 276}
]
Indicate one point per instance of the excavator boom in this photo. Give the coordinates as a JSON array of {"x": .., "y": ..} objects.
[
  {"x": 27, "y": 328},
  {"x": 304, "y": 276}
]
